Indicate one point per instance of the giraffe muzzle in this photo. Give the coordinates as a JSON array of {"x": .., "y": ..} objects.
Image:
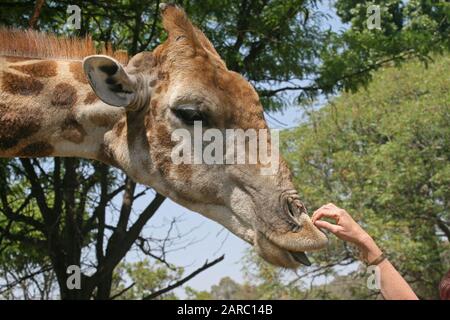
[{"x": 291, "y": 229}]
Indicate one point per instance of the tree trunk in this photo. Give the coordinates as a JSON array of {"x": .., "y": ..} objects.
[{"x": 36, "y": 13}]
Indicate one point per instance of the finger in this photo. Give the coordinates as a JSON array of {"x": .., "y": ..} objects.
[
  {"x": 331, "y": 206},
  {"x": 318, "y": 214},
  {"x": 327, "y": 226},
  {"x": 326, "y": 212},
  {"x": 315, "y": 215},
  {"x": 324, "y": 207}
]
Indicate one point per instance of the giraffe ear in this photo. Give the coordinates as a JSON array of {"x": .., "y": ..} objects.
[{"x": 110, "y": 82}]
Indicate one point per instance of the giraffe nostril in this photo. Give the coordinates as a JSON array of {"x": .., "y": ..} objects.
[{"x": 293, "y": 208}]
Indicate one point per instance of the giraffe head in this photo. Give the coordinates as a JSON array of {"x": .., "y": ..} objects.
[{"x": 183, "y": 81}]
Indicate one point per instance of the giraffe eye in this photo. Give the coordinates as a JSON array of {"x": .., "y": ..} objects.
[{"x": 189, "y": 114}]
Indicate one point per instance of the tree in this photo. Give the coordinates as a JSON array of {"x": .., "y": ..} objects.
[
  {"x": 46, "y": 225},
  {"x": 38, "y": 248},
  {"x": 383, "y": 154}
]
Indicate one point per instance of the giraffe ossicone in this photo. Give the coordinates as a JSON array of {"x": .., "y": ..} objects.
[{"x": 123, "y": 113}]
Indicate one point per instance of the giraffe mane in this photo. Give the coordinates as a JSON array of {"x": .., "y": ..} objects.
[{"x": 34, "y": 44}]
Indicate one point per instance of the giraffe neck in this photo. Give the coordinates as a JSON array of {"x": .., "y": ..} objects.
[{"x": 47, "y": 108}]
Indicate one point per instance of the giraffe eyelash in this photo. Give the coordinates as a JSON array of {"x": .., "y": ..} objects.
[{"x": 189, "y": 114}]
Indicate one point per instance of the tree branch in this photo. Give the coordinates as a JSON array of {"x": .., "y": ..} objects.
[
  {"x": 445, "y": 229},
  {"x": 100, "y": 207},
  {"x": 127, "y": 204},
  {"x": 374, "y": 66},
  {"x": 16, "y": 216},
  {"x": 37, "y": 190},
  {"x": 153, "y": 28},
  {"x": 100, "y": 212},
  {"x": 270, "y": 93},
  {"x": 119, "y": 246},
  {"x": 22, "y": 238},
  {"x": 36, "y": 13},
  {"x": 122, "y": 291},
  {"x": 205, "y": 266},
  {"x": 28, "y": 276}
]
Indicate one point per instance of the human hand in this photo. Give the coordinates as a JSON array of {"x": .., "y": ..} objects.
[
  {"x": 392, "y": 285},
  {"x": 345, "y": 228}
]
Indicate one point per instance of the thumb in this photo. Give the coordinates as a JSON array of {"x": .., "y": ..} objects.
[{"x": 327, "y": 226}]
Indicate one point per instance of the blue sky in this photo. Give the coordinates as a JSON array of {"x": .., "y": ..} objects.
[{"x": 210, "y": 239}]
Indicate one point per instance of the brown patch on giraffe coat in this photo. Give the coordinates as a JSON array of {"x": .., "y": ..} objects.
[
  {"x": 36, "y": 149},
  {"x": 72, "y": 130},
  {"x": 23, "y": 85},
  {"x": 42, "y": 69},
  {"x": 162, "y": 75},
  {"x": 164, "y": 167},
  {"x": 154, "y": 108},
  {"x": 162, "y": 148},
  {"x": 148, "y": 121},
  {"x": 143, "y": 62},
  {"x": 158, "y": 89},
  {"x": 162, "y": 160},
  {"x": 163, "y": 56},
  {"x": 91, "y": 97},
  {"x": 154, "y": 104},
  {"x": 77, "y": 71},
  {"x": 106, "y": 155},
  {"x": 64, "y": 95},
  {"x": 101, "y": 119},
  {"x": 183, "y": 171},
  {"x": 161, "y": 88},
  {"x": 17, "y": 125},
  {"x": 118, "y": 128},
  {"x": 164, "y": 137}
]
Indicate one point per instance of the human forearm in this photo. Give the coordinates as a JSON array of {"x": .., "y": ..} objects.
[{"x": 392, "y": 284}]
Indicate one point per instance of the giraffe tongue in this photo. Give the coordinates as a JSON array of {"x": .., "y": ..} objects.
[{"x": 301, "y": 258}]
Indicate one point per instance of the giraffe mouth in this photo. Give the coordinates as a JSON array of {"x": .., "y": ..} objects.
[
  {"x": 301, "y": 257},
  {"x": 284, "y": 238},
  {"x": 277, "y": 255}
]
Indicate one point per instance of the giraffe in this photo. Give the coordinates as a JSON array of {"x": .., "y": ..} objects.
[{"x": 58, "y": 98}]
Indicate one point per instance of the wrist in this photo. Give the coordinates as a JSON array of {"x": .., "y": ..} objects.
[{"x": 369, "y": 249}]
